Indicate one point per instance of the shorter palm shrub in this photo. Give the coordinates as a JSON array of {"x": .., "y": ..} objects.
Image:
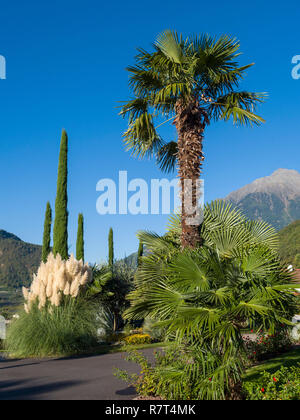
[
  {"x": 184, "y": 374},
  {"x": 205, "y": 297},
  {"x": 284, "y": 384},
  {"x": 70, "y": 328}
]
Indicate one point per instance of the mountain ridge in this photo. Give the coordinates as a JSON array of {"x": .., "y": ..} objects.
[
  {"x": 18, "y": 260},
  {"x": 274, "y": 198}
]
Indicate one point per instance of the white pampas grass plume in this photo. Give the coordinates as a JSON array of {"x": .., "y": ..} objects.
[
  {"x": 56, "y": 278},
  {"x": 25, "y": 293},
  {"x": 67, "y": 289}
]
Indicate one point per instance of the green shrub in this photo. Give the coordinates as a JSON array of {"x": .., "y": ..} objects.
[
  {"x": 64, "y": 330},
  {"x": 181, "y": 374},
  {"x": 137, "y": 339},
  {"x": 284, "y": 384},
  {"x": 155, "y": 332},
  {"x": 266, "y": 345}
]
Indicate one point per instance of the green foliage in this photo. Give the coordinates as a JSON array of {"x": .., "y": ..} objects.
[
  {"x": 155, "y": 332},
  {"x": 284, "y": 384},
  {"x": 65, "y": 330},
  {"x": 111, "y": 257},
  {"x": 47, "y": 233},
  {"x": 80, "y": 239},
  {"x": 140, "y": 252},
  {"x": 267, "y": 345},
  {"x": 179, "y": 69},
  {"x": 206, "y": 297},
  {"x": 60, "y": 231},
  {"x": 178, "y": 374},
  {"x": 289, "y": 238},
  {"x": 296, "y": 262},
  {"x": 110, "y": 288},
  {"x": 18, "y": 261}
]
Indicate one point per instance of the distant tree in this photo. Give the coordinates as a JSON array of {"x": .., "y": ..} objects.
[
  {"x": 60, "y": 232},
  {"x": 80, "y": 239},
  {"x": 140, "y": 252},
  {"x": 111, "y": 248},
  {"x": 297, "y": 261},
  {"x": 47, "y": 233}
]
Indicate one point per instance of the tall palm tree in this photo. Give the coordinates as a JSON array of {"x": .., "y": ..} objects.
[{"x": 189, "y": 82}]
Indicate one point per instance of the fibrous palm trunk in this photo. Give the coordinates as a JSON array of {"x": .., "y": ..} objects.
[{"x": 190, "y": 122}]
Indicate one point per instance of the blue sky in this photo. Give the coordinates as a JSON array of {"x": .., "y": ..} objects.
[{"x": 65, "y": 69}]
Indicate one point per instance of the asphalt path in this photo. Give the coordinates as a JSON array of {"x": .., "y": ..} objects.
[{"x": 80, "y": 378}]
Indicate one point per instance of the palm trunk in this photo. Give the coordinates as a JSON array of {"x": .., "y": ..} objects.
[{"x": 190, "y": 122}]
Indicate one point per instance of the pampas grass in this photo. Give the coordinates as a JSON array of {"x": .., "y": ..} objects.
[
  {"x": 55, "y": 279},
  {"x": 68, "y": 329},
  {"x": 57, "y": 318}
]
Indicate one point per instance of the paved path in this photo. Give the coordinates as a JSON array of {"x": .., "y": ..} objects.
[{"x": 85, "y": 378}]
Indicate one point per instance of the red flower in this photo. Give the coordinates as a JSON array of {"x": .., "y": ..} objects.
[
  {"x": 251, "y": 330},
  {"x": 274, "y": 379},
  {"x": 209, "y": 379},
  {"x": 263, "y": 390}
]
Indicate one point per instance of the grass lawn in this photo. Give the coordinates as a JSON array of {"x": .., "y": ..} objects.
[{"x": 288, "y": 359}]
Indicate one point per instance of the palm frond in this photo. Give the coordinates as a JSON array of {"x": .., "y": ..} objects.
[
  {"x": 166, "y": 157},
  {"x": 239, "y": 106},
  {"x": 171, "y": 45}
]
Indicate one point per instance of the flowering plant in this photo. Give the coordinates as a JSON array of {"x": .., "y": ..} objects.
[
  {"x": 284, "y": 384},
  {"x": 266, "y": 344}
]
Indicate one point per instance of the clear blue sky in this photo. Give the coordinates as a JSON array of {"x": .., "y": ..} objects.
[{"x": 65, "y": 69}]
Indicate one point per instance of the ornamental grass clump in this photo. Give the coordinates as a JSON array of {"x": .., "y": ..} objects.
[
  {"x": 58, "y": 319},
  {"x": 55, "y": 279}
]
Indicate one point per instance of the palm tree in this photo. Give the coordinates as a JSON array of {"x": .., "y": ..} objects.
[{"x": 189, "y": 82}]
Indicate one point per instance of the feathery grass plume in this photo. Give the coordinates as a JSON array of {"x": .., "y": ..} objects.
[
  {"x": 60, "y": 231},
  {"x": 80, "y": 239},
  {"x": 47, "y": 233},
  {"x": 57, "y": 278}
]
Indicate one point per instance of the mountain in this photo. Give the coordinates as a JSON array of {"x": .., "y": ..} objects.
[
  {"x": 131, "y": 260},
  {"x": 289, "y": 244},
  {"x": 274, "y": 198},
  {"x": 18, "y": 260}
]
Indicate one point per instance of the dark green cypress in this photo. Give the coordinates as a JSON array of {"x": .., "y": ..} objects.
[
  {"x": 47, "y": 233},
  {"x": 111, "y": 248},
  {"x": 140, "y": 252},
  {"x": 60, "y": 231},
  {"x": 80, "y": 239}
]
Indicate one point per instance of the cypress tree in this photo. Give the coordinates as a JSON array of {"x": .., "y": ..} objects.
[
  {"x": 140, "y": 252},
  {"x": 111, "y": 248},
  {"x": 80, "y": 239},
  {"x": 47, "y": 233},
  {"x": 60, "y": 231}
]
